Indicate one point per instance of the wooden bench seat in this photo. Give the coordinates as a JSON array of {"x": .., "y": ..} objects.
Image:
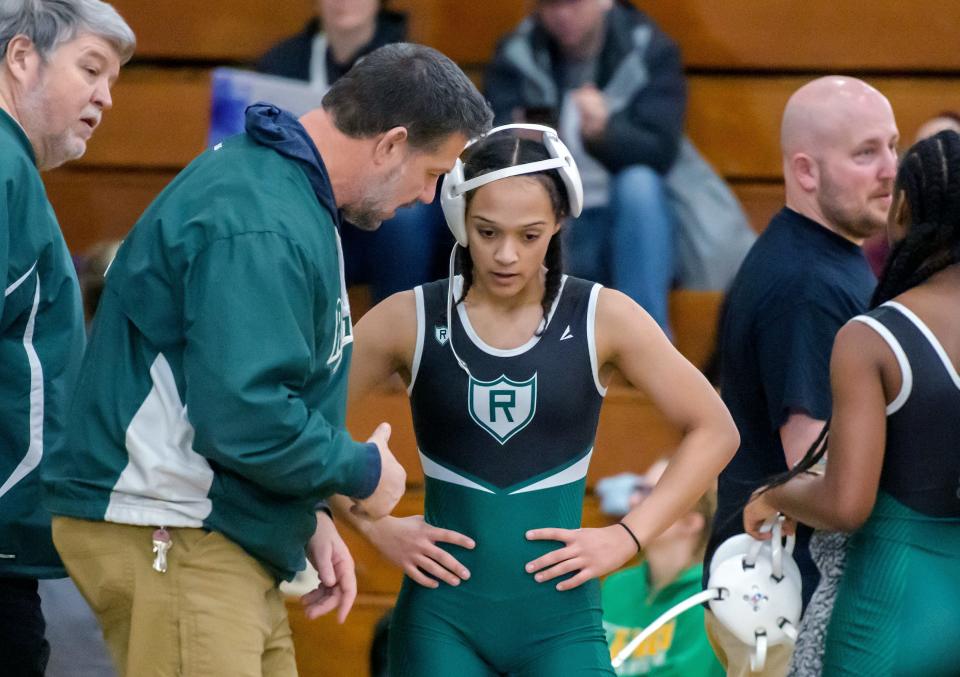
[
  {"x": 324, "y": 648},
  {"x": 735, "y": 119},
  {"x": 95, "y": 203},
  {"x": 101, "y": 204},
  {"x": 753, "y": 35},
  {"x": 744, "y": 59},
  {"x": 811, "y": 35},
  {"x": 161, "y": 115}
]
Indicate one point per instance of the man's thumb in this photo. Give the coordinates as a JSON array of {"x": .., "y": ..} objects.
[{"x": 382, "y": 432}]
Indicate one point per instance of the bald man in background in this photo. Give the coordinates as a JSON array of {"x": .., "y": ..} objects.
[{"x": 803, "y": 279}]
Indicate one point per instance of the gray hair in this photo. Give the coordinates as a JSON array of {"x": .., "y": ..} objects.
[
  {"x": 50, "y": 23},
  {"x": 412, "y": 86}
]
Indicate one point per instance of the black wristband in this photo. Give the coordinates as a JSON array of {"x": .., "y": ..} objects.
[{"x": 632, "y": 535}]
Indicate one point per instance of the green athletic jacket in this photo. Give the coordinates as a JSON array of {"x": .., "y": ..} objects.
[
  {"x": 41, "y": 342},
  {"x": 213, "y": 391}
]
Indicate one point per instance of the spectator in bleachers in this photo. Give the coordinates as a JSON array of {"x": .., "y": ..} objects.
[
  {"x": 613, "y": 85},
  {"x": 802, "y": 280},
  {"x": 228, "y": 299},
  {"x": 410, "y": 248},
  {"x": 341, "y": 32},
  {"x": 670, "y": 573},
  {"x": 60, "y": 60}
]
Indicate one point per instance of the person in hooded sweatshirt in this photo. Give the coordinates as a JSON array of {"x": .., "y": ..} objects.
[{"x": 209, "y": 421}]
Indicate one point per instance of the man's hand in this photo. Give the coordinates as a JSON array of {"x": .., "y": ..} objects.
[
  {"x": 338, "y": 580},
  {"x": 589, "y": 552},
  {"x": 393, "y": 480},
  {"x": 593, "y": 111},
  {"x": 411, "y": 544}
]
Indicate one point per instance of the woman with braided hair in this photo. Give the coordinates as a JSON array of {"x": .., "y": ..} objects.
[
  {"x": 506, "y": 365},
  {"x": 892, "y": 475}
]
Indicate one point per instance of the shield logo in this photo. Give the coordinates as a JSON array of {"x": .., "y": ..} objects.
[
  {"x": 502, "y": 407},
  {"x": 440, "y": 333}
]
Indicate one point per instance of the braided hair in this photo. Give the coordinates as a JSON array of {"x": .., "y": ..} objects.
[
  {"x": 928, "y": 183},
  {"x": 506, "y": 150}
]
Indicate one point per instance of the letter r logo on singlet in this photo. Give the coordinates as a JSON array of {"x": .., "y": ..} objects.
[
  {"x": 502, "y": 407},
  {"x": 504, "y": 400}
]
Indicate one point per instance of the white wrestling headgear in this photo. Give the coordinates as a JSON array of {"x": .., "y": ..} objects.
[
  {"x": 455, "y": 187},
  {"x": 763, "y": 586},
  {"x": 754, "y": 591}
]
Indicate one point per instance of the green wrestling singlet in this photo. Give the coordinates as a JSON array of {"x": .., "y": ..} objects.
[
  {"x": 898, "y": 606},
  {"x": 504, "y": 450}
]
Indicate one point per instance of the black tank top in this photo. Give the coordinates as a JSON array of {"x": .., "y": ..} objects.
[
  {"x": 521, "y": 414},
  {"x": 921, "y": 464}
]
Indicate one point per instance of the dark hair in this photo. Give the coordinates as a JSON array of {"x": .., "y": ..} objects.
[
  {"x": 412, "y": 86},
  {"x": 928, "y": 181},
  {"x": 508, "y": 150}
]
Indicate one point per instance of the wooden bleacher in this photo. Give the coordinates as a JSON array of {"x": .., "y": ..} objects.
[{"x": 743, "y": 60}]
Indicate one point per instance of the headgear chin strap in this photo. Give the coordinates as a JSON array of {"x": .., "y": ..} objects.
[
  {"x": 455, "y": 187},
  {"x": 753, "y": 590}
]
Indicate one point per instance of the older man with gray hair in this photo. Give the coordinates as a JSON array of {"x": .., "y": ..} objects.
[{"x": 60, "y": 58}]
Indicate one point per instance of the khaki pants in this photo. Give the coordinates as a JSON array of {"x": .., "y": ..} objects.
[
  {"x": 734, "y": 655},
  {"x": 216, "y": 611}
]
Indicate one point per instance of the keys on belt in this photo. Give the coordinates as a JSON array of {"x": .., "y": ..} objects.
[{"x": 161, "y": 544}]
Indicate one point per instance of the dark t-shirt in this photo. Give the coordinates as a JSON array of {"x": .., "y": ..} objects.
[{"x": 798, "y": 285}]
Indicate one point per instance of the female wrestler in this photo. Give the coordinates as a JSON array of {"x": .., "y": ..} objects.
[
  {"x": 893, "y": 470},
  {"x": 506, "y": 373}
]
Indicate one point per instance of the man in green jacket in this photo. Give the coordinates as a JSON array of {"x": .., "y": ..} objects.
[
  {"x": 209, "y": 421},
  {"x": 60, "y": 60}
]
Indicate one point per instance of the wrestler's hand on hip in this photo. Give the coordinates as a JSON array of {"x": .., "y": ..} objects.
[
  {"x": 589, "y": 552},
  {"x": 411, "y": 544}
]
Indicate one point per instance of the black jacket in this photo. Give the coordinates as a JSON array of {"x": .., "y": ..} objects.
[
  {"x": 638, "y": 64},
  {"x": 290, "y": 58}
]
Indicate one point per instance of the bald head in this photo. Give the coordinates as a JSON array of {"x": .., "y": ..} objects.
[
  {"x": 825, "y": 110},
  {"x": 839, "y": 143}
]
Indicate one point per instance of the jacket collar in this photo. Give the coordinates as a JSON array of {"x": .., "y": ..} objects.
[{"x": 277, "y": 129}]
